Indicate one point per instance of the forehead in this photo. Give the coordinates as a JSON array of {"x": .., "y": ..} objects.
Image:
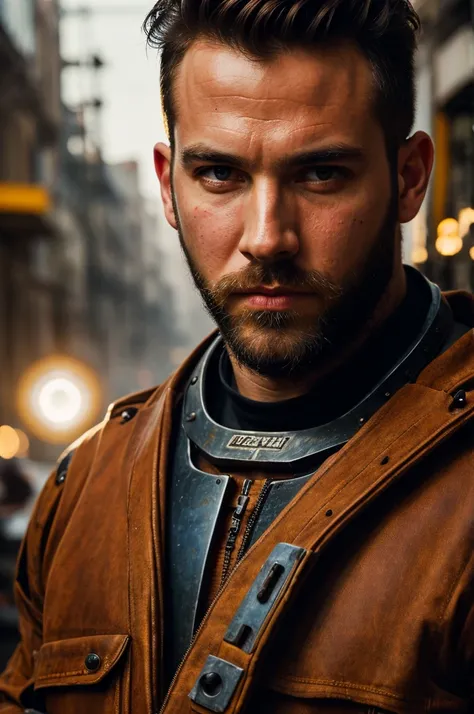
[{"x": 295, "y": 98}]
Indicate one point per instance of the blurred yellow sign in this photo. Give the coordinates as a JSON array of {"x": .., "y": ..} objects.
[{"x": 24, "y": 198}]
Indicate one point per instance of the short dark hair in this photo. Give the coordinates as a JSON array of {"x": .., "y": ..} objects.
[{"x": 385, "y": 31}]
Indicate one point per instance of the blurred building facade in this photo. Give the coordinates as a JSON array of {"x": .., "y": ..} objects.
[
  {"x": 80, "y": 267},
  {"x": 31, "y": 305},
  {"x": 441, "y": 240}
]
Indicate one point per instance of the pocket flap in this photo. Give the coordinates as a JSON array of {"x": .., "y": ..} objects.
[{"x": 78, "y": 661}]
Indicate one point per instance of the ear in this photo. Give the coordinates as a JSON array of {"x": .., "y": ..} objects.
[
  {"x": 415, "y": 162},
  {"x": 162, "y": 157}
]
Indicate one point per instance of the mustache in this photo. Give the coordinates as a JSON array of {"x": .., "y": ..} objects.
[{"x": 285, "y": 274}]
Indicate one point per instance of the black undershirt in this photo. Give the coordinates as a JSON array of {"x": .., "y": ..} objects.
[{"x": 340, "y": 391}]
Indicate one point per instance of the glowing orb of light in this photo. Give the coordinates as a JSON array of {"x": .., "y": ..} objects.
[
  {"x": 9, "y": 442},
  {"x": 449, "y": 242},
  {"x": 58, "y": 398},
  {"x": 419, "y": 255}
]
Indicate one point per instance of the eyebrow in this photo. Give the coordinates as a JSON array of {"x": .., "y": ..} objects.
[{"x": 337, "y": 152}]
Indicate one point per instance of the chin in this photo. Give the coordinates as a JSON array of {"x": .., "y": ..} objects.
[{"x": 275, "y": 352}]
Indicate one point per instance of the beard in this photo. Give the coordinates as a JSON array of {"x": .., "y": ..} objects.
[{"x": 288, "y": 343}]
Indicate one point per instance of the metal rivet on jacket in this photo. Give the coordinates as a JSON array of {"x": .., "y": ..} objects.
[
  {"x": 128, "y": 414},
  {"x": 92, "y": 662},
  {"x": 459, "y": 400},
  {"x": 61, "y": 473},
  {"x": 211, "y": 683}
]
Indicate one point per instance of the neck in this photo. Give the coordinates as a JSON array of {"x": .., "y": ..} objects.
[{"x": 266, "y": 389}]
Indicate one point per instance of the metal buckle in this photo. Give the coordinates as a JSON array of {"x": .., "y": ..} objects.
[{"x": 256, "y": 605}]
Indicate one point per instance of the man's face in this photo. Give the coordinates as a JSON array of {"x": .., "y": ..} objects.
[{"x": 283, "y": 197}]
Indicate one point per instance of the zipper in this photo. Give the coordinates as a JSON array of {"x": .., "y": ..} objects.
[
  {"x": 191, "y": 644},
  {"x": 253, "y": 519},
  {"x": 248, "y": 532},
  {"x": 236, "y": 523}
]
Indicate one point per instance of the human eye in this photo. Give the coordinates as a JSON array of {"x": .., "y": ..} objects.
[
  {"x": 323, "y": 174},
  {"x": 219, "y": 177}
]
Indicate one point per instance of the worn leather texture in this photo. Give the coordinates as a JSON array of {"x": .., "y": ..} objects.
[{"x": 383, "y": 620}]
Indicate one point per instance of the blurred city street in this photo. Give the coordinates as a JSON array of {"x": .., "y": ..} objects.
[{"x": 95, "y": 297}]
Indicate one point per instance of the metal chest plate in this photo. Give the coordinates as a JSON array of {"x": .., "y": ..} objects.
[
  {"x": 298, "y": 449},
  {"x": 195, "y": 499}
]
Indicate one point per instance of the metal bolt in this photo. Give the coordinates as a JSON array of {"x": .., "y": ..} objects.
[
  {"x": 362, "y": 420},
  {"x": 191, "y": 417},
  {"x": 194, "y": 380},
  {"x": 211, "y": 683}
]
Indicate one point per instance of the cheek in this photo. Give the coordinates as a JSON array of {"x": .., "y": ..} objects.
[
  {"x": 339, "y": 235},
  {"x": 212, "y": 236}
]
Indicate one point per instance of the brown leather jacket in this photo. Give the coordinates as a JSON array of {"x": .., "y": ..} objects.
[{"x": 383, "y": 622}]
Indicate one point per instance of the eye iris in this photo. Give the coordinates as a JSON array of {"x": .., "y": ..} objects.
[
  {"x": 222, "y": 173},
  {"x": 324, "y": 174}
]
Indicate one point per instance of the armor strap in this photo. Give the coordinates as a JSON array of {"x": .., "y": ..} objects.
[{"x": 222, "y": 664}]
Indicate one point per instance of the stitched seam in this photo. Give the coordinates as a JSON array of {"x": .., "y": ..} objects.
[
  {"x": 347, "y": 685},
  {"x": 82, "y": 671},
  {"x": 357, "y": 474},
  {"x": 61, "y": 674},
  {"x": 443, "y": 428},
  {"x": 354, "y": 477}
]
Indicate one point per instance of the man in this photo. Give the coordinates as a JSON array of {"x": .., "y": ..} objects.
[{"x": 286, "y": 524}]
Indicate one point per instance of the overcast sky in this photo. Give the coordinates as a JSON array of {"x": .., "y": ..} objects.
[{"x": 129, "y": 83}]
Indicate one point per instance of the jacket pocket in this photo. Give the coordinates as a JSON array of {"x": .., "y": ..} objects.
[{"x": 82, "y": 674}]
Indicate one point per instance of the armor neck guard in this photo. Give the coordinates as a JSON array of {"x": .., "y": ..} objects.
[{"x": 299, "y": 449}]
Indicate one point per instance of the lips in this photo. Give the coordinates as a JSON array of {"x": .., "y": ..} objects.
[
  {"x": 273, "y": 299},
  {"x": 272, "y": 292}
]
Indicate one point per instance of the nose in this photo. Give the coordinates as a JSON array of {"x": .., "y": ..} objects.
[{"x": 269, "y": 229}]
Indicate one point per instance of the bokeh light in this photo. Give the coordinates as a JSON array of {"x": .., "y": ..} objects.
[
  {"x": 466, "y": 219},
  {"x": 9, "y": 442},
  {"x": 24, "y": 446},
  {"x": 449, "y": 242},
  {"x": 419, "y": 255},
  {"x": 58, "y": 398}
]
